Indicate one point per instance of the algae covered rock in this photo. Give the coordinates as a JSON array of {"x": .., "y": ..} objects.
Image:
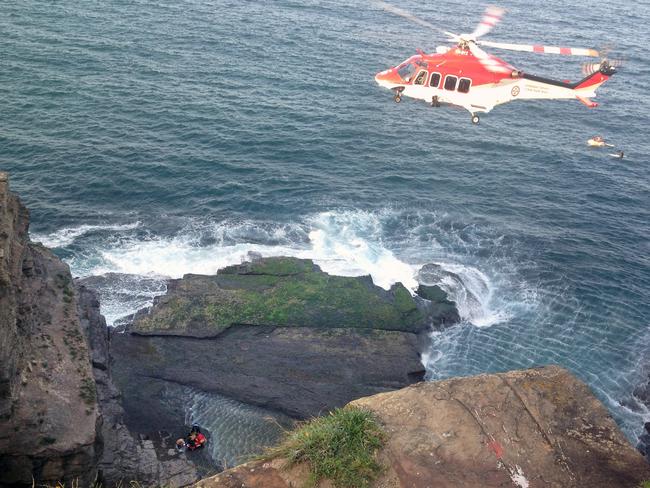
[{"x": 283, "y": 292}]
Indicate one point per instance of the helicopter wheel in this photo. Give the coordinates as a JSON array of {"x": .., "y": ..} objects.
[
  {"x": 397, "y": 98},
  {"x": 475, "y": 119},
  {"x": 435, "y": 102}
]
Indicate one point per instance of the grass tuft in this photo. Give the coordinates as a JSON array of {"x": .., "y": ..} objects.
[{"x": 340, "y": 447}]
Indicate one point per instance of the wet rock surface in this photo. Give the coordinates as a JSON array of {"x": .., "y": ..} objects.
[
  {"x": 642, "y": 395},
  {"x": 523, "y": 429}
]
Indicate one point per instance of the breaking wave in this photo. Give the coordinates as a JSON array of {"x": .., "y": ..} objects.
[{"x": 344, "y": 243}]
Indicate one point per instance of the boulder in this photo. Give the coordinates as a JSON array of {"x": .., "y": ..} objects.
[
  {"x": 445, "y": 310},
  {"x": 277, "y": 333},
  {"x": 300, "y": 371}
]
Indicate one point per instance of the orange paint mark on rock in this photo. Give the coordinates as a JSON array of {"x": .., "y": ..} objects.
[{"x": 496, "y": 448}]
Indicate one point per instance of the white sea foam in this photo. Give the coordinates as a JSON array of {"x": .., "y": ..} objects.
[
  {"x": 350, "y": 244},
  {"x": 340, "y": 246},
  {"x": 66, "y": 236},
  {"x": 344, "y": 243}
]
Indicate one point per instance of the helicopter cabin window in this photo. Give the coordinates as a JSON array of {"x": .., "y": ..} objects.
[
  {"x": 464, "y": 84},
  {"x": 406, "y": 71},
  {"x": 435, "y": 80},
  {"x": 450, "y": 83},
  {"x": 421, "y": 78}
]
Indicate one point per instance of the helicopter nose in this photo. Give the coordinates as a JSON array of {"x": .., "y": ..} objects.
[{"x": 388, "y": 78}]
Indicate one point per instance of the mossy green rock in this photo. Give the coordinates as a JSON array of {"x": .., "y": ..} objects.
[{"x": 279, "y": 292}]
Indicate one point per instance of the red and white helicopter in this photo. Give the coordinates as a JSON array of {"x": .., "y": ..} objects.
[{"x": 468, "y": 77}]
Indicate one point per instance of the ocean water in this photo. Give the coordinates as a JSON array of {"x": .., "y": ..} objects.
[{"x": 161, "y": 138}]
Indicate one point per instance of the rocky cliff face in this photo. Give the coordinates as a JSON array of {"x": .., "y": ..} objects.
[
  {"x": 522, "y": 429},
  {"x": 61, "y": 418},
  {"x": 124, "y": 456},
  {"x": 48, "y": 403}
]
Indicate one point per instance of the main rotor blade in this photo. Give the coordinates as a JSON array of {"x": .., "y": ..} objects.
[
  {"x": 491, "y": 17},
  {"x": 489, "y": 62},
  {"x": 409, "y": 16},
  {"x": 567, "y": 51}
]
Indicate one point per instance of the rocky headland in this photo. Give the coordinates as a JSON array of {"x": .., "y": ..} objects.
[{"x": 81, "y": 402}]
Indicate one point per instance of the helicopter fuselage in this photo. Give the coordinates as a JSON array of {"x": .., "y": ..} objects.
[{"x": 457, "y": 77}]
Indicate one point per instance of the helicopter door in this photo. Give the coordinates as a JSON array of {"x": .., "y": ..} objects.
[{"x": 421, "y": 78}]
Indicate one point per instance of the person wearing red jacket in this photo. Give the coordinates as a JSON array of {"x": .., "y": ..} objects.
[{"x": 196, "y": 440}]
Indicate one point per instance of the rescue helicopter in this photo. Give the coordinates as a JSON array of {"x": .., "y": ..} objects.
[{"x": 466, "y": 76}]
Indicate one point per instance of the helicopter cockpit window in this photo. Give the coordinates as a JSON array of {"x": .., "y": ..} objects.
[
  {"x": 421, "y": 78},
  {"x": 464, "y": 84},
  {"x": 406, "y": 71},
  {"x": 435, "y": 80},
  {"x": 450, "y": 82}
]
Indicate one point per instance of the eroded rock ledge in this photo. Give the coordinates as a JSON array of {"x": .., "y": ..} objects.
[
  {"x": 523, "y": 429},
  {"x": 277, "y": 333},
  {"x": 288, "y": 292}
]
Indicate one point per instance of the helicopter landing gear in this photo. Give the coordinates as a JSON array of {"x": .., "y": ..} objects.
[
  {"x": 475, "y": 119},
  {"x": 397, "y": 98},
  {"x": 434, "y": 101}
]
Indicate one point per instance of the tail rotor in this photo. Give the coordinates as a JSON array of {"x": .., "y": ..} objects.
[{"x": 605, "y": 63}]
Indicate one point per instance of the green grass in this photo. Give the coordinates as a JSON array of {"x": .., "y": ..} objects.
[
  {"x": 644, "y": 484},
  {"x": 340, "y": 447}
]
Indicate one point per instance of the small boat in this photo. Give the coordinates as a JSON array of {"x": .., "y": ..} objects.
[{"x": 598, "y": 141}]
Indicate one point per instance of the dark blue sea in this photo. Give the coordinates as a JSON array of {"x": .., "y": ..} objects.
[{"x": 159, "y": 138}]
